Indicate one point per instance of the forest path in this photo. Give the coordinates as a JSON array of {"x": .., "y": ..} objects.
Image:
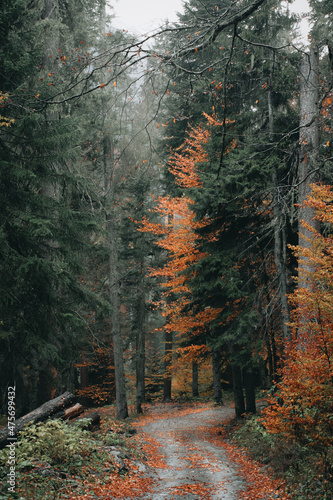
[{"x": 186, "y": 453}]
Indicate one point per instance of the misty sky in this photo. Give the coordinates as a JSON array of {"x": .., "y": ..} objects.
[
  {"x": 140, "y": 16},
  {"x": 144, "y": 15}
]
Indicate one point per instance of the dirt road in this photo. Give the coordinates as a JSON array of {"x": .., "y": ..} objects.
[{"x": 186, "y": 454}]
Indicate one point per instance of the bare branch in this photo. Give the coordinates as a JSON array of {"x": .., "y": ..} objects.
[{"x": 218, "y": 26}]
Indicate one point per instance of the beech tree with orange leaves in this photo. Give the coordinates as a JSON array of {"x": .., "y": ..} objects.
[
  {"x": 302, "y": 408},
  {"x": 178, "y": 237},
  {"x": 215, "y": 308},
  {"x": 247, "y": 184}
]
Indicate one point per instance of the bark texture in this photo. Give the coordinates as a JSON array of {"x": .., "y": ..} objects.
[
  {"x": 114, "y": 280},
  {"x": 238, "y": 391},
  {"x": 167, "y": 366},
  {"x": 309, "y": 152},
  {"x": 140, "y": 346},
  {"x": 195, "y": 379},
  {"x": 217, "y": 387}
]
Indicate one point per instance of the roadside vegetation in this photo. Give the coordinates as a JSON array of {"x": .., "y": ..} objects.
[
  {"x": 307, "y": 473},
  {"x": 57, "y": 459}
]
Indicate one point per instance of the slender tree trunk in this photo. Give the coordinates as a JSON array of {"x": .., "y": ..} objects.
[
  {"x": 270, "y": 331},
  {"x": 114, "y": 281},
  {"x": 274, "y": 353},
  {"x": 113, "y": 247},
  {"x": 51, "y": 13},
  {"x": 269, "y": 357},
  {"x": 238, "y": 390},
  {"x": 140, "y": 346},
  {"x": 280, "y": 244},
  {"x": 250, "y": 395},
  {"x": 280, "y": 258},
  {"x": 309, "y": 152},
  {"x": 46, "y": 383},
  {"x": 195, "y": 379},
  {"x": 119, "y": 367},
  {"x": 217, "y": 378},
  {"x": 84, "y": 378},
  {"x": 167, "y": 366}
]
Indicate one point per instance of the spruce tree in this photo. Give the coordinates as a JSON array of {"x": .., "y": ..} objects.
[
  {"x": 246, "y": 98},
  {"x": 45, "y": 215}
]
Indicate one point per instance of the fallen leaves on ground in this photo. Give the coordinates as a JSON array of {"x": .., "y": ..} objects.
[
  {"x": 260, "y": 485},
  {"x": 129, "y": 487},
  {"x": 135, "y": 484},
  {"x": 202, "y": 492}
]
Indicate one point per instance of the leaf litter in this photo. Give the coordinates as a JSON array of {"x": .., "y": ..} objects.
[{"x": 187, "y": 454}]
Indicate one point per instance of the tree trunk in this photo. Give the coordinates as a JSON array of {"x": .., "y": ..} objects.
[
  {"x": 95, "y": 420},
  {"x": 309, "y": 151},
  {"x": 279, "y": 223},
  {"x": 140, "y": 345},
  {"x": 280, "y": 258},
  {"x": 73, "y": 411},
  {"x": 269, "y": 331},
  {"x": 217, "y": 387},
  {"x": 69, "y": 413},
  {"x": 46, "y": 383},
  {"x": 250, "y": 395},
  {"x": 167, "y": 366},
  {"x": 51, "y": 27},
  {"x": 118, "y": 351},
  {"x": 114, "y": 282},
  {"x": 238, "y": 391},
  {"x": 195, "y": 379},
  {"x": 84, "y": 377}
]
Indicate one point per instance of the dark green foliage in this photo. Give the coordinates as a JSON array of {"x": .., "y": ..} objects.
[
  {"x": 247, "y": 87},
  {"x": 19, "y": 52},
  {"x": 46, "y": 221}
]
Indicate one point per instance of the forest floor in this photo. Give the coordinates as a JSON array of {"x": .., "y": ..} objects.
[
  {"x": 174, "y": 451},
  {"x": 189, "y": 456}
]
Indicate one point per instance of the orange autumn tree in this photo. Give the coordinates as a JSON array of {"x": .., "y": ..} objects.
[
  {"x": 177, "y": 235},
  {"x": 302, "y": 409}
]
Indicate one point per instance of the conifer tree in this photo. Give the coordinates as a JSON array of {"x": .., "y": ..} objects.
[
  {"x": 248, "y": 101},
  {"x": 45, "y": 215}
]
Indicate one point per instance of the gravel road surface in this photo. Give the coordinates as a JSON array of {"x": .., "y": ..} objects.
[{"x": 190, "y": 461}]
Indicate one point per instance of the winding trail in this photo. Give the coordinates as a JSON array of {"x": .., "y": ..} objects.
[{"x": 186, "y": 455}]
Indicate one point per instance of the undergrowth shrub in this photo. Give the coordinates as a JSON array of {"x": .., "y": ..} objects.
[
  {"x": 308, "y": 474},
  {"x": 113, "y": 439},
  {"x": 52, "y": 457},
  {"x": 54, "y": 442}
]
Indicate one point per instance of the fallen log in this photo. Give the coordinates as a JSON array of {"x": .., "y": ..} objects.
[
  {"x": 73, "y": 411},
  {"x": 68, "y": 413},
  {"x": 48, "y": 409}
]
